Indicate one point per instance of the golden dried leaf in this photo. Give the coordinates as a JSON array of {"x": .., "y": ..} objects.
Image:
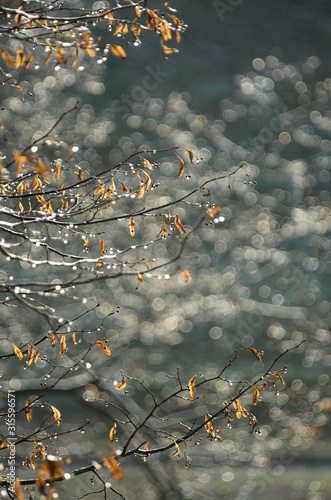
[
  {"x": 102, "y": 246},
  {"x": 164, "y": 228},
  {"x": 58, "y": 170},
  {"x": 7, "y": 57},
  {"x": 190, "y": 154},
  {"x": 237, "y": 407},
  {"x": 146, "y": 446},
  {"x": 124, "y": 189},
  {"x": 131, "y": 226},
  {"x": 148, "y": 180},
  {"x": 178, "y": 224},
  {"x": 113, "y": 466},
  {"x": 53, "y": 339},
  {"x": 165, "y": 30},
  {"x": 60, "y": 54},
  {"x": 253, "y": 423},
  {"x": 21, "y": 207},
  {"x": 56, "y": 415},
  {"x": 137, "y": 12},
  {"x": 146, "y": 163},
  {"x": 28, "y": 410},
  {"x": 177, "y": 450},
  {"x": 141, "y": 191},
  {"x": 139, "y": 276},
  {"x": 168, "y": 50},
  {"x": 49, "y": 470},
  {"x": 18, "y": 352},
  {"x": 31, "y": 353},
  {"x": 118, "y": 51},
  {"x": 20, "y": 58},
  {"x": 49, "y": 57},
  {"x": 18, "y": 491},
  {"x": 74, "y": 338},
  {"x": 36, "y": 357},
  {"x": 191, "y": 386},
  {"x": 186, "y": 276},
  {"x": 121, "y": 386},
  {"x": 103, "y": 347},
  {"x": 245, "y": 413},
  {"x": 63, "y": 345},
  {"x": 256, "y": 395},
  {"x": 29, "y": 59},
  {"x": 20, "y": 159},
  {"x": 211, "y": 212},
  {"x": 278, "y": 375},
  {"x": 181, "y": 168},
  {"x": 255, "y": 352},
  {"x": 112, "y": 432},
  {"x": 17, "y": 87}
]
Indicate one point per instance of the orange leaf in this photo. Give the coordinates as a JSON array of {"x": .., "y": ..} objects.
[
  {"x": 278, "y": 375},
  {"x": 103, "y": 347},
  {"x": 113, "y": 466},
  {"x": 213, "y": 211},
  {"x": 28, "y": 410},
  {"x": 178, "y": 224},
  {"x": 18, "y": 352},
  {"x": 63, "y": 345},
  {"x": 186, "y": 276},
  {"x": 112, "y": 432},
  {"x": 53, "y": 339},
  {"x": 190, "y": 154},
  {"x": 255, "y": 352},
  {"x": 191, "y": 386},
  {"x": 20, "y": 159},
  {"x": 181, "y": 168},
  {"x": 118, "y": 51},
  {"x": 139, "y": 276},
  {"x": 237, "y": 407},
  {"x": 256, "y": 395},
  {"x": 7, "y": 57},
  {"x": 121, "y": 386},
  {"x": 56, "y": 415},
  {"x": 20, "y": 58},
  {"x": 177, "y": 450},
  {"x": 102, "y": 246},
  {"x": 141, "y": 190},
  {"x": 124, "y": 189}
]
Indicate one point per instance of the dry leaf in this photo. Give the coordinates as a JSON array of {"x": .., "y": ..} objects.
[
  {"x": 56, "y": 415},
  {"x": 112, "y": 432},
  {"x": 178, "y": 224},
  {"x": 255, "y": 352},
  {"x": 190, "y": 154},
  {"x": 118, "y": 51},
  {"x": 237, "y": 407},
  {"x": 103, "y": 347},
  {"x": 191, "y": 386},
  {"x": 113, "y": 466},
  {"x": 18, "y": 352},
  {"x": 177, "y": 450},
  {"x": 121, "y": 386},
  {"x": 53, "y": 339},
  {"x": 63, "y": 345},
  {"x": 186, "y": 276},
  {"x": 139, "y": 276},
  {"x": 131, "y": 226},
  {"x": 28, "y": 410},
  {"x": 181, "y": 168},
  {"x": 256, "y": 396},
  {"x": 102, "y": 246},
  {"x": 278, "y": 375}
]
